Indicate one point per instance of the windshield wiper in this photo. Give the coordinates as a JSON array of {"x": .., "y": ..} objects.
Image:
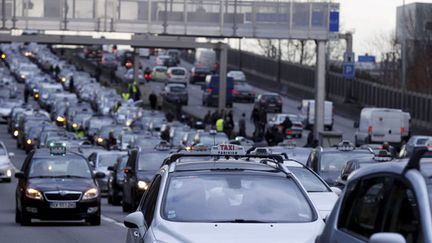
[
  {"x": 42, "y": 176},
  {"x": 240, "y": 221},
  {"x": 69, "y": 176}
]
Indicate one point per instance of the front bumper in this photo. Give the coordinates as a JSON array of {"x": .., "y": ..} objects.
[{"x": 40, "y": 209}]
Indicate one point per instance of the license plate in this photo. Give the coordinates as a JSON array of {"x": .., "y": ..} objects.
[{"x": 63, "y": 205}]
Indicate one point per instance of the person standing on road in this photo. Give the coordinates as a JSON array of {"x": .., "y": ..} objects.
[
  {"x": 134, "y": 91},
  {"x": 286, "y": 124},
  {"x": 98, "y": 73},
  {"x": 153, "y": 100},
  {"x": 255, "y": 119},
  {"x": 207, "y": 120},
  {"x": 71, "y": 85},
  {"x": 262, "y": 121},
  {"x": 228, "y": 124},
  {"x": 26, "y": 94},
  {"x": 220, "y": 125},
  {"x": 242, "y": 126}
]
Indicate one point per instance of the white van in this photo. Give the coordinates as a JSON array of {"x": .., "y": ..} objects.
[
  {"x": 307, "y": 112},
  {"x": 378, "y": 125}
]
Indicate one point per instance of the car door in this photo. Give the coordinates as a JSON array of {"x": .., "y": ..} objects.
[
  {"x": 147, "y": 207},
  {"x": 127, "y": 186},
  {"x": 362, "y": 209}
]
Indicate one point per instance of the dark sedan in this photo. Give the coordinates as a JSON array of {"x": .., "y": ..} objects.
[
  {"x": 57, "y": 185},
  {"x": 243, "y": 92},
  {"x": 271, "y": 102},
  {"x": 141, "y": 167},
  {"x": 199, "y": 74}
]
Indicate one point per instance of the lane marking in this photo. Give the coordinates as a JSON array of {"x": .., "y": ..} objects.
[{"x": 111, "y": 220}]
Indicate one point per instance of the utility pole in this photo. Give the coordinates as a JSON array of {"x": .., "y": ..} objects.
[
  {"x": 320, "y": 88},
  {"x": 404, "y": 58}
]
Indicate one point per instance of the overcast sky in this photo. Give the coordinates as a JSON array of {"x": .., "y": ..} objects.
[{"x": 369, "y": 19}]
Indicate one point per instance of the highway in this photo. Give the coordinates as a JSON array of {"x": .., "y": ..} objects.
[{"x": 195, "y": 107}]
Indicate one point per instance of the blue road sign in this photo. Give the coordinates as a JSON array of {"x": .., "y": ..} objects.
[
  {"x": 334, "y": 21},
  {"x": 366, "y": 58},
  {"x": 349, "y": 70}
]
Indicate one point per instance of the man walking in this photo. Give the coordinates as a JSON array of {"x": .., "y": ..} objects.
[
  {"x": 242, "y": 126},
  {"x": 153, "y": 100}
]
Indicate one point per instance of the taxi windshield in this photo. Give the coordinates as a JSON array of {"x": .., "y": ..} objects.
[
  {"x": 59, "y": 166},
  {"x": 2, "y": 150},
  {"x": 334, "y": 162},
  {"x": 210, "y": 140},
  {"x": 235, "y": 198},
  {"x": 106, "y": 160},
  {"x": 309, "y": 181},
  {"x": 151, "y": 161}
]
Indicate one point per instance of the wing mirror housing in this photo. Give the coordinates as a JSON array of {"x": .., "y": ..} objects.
[
  {"x": 336, "y": 190},
  {"x": 387, "y": 237},
  {"x": 19, "y": 175},
  {"x": 127, "y": 170}
]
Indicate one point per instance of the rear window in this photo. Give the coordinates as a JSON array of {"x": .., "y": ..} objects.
[
  {"x": 178, "y": 72},
  {"x": 271, "y": 97},
  {"x": 177, "y": 89},
  {"x": 151, "y": 161},
  {"x": 162, "y": 70}
]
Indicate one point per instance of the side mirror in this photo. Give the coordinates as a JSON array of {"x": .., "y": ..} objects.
[
  {"x": 127, "y": 170},
  {"x": 344, "y": 177},
  {"x": 99, "y": 175},
  {"x": 111, "y": 168},
  {"x": 19, "y": 175},
  {"x": 356, "y": 124},
  {"x": 336, "y": 190},
  {"x": 135, "y": 221},
  {"x": 11, "y": 155},
  {"x": 387, "y": 237}
]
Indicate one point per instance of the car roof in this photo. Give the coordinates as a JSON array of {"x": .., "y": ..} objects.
[
  {"x": 223, "y": 165},
  {"x": 386, "y": 167},
  {"x": 45, "y": 153}
]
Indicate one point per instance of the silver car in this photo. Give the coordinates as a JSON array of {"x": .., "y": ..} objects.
[
  {"x": 226, "y": 200},
  {"x": 387, "y": 202},
  {"x": 6, "y": 167}
]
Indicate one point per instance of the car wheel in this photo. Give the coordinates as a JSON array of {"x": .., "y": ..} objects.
[
  {"x": 110, "y": 199},
  {"x": 17, "y": 216},
  {"x": 126, "y": 207},
  {"x": 24, "y": 219},
  {"x": 94, "y": 220}
]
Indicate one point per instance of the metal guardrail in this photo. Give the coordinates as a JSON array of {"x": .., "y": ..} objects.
[{"x": 300, "y": 81}]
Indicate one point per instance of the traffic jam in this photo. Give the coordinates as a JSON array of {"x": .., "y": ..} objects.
[{"x": 89, "y": 148}]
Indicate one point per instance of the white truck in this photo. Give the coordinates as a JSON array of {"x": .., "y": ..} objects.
[
  {"x": 205, "y": 58},
  {"x": 307, "y": 112},
  {"x": 379, "y": 125}
]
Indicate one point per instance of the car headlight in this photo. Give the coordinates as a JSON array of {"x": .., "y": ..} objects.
[
  {"x": 16, "y": 133},
  {"x": 91, "y": 193},
  {"x": 63, "y": 79},
  {"x": 128, "y": 123},
  {"x": 60, "y": 119},
  {"x": 23, "y": 76},
  {"x": 100, "y": 140},
  {"x": 9, "y": 173},
  {"x": 142, "y": 185},
  {"x": 74, "y": 125},
  {"x": 29, "y": 141},
  {"x": 33, "y": 193}
]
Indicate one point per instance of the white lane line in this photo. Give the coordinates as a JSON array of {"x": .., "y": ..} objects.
[{"x": 111, "y": 220}]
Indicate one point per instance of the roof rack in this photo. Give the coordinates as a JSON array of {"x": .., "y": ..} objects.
[{"x": 276, "y": 159}]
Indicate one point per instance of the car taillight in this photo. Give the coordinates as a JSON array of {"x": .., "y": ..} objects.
[
  {"x": 209, "y": 90},
  {"x": 235, "y": 92},
  {"x": 289, "y": 132},
  {"x": 402, "y": 129},
  {"x": 370, "y": 128}
]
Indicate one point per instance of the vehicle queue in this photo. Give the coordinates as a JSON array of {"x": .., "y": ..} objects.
[{"x": 200, "y": 186}]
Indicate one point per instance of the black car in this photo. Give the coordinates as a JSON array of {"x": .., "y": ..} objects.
[
  {"x": 142, "y": 165},
  {"x": 271, "y": 102},
  {"x": 170, "y": 62},
  {"x": 243, "y": 92},
  {"x": 199, "y": 74},
  {"x": 57, "y": 185},
  {"x": 115, "y": 181},
  {"x": 329, "y": 162}
]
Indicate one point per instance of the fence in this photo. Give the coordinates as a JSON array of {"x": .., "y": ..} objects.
[{"x": 299, "y": 80}]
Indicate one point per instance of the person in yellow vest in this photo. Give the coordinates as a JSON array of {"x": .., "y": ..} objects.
[
  {"x": 125, "y": 96},
  {"x": 220, "y": 125},
  {"x": 134, "y": 91}
]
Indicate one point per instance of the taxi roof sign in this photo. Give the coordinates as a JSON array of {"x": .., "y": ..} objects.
[
  {"x": 57, "y": 148},
  {"x": 228, "y": 149}
]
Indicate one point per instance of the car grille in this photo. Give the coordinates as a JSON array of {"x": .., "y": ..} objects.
[{"x": 63, "y": 196}]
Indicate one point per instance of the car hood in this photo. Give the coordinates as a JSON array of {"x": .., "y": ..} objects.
[
  {"x": 323, "y": 201},
  {"x": 55, "y": 184},
  {"x": 146, "y": 175},
  {"x": 233, "y": 232}
]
